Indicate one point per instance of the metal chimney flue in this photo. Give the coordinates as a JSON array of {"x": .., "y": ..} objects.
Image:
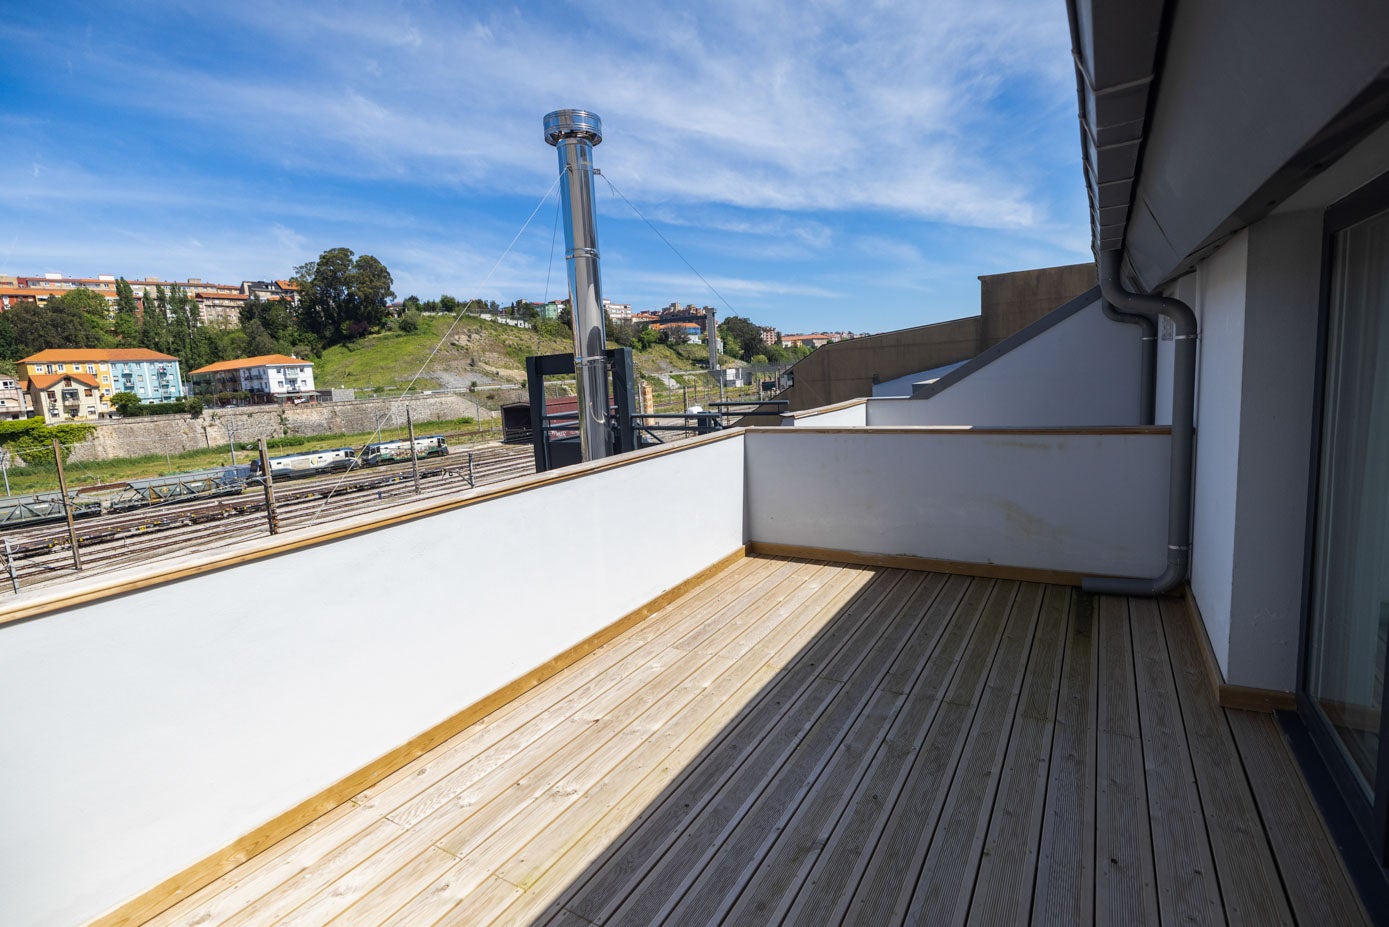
[{"x": 574, "y": 132}]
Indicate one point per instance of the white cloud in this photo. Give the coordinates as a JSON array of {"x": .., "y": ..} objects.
[{"x": 835, "y": 106}]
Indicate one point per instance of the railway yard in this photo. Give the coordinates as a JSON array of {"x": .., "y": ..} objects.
[{"x": 41, "y": 556}]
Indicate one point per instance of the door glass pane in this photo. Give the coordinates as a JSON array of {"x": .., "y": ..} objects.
[{"x": 1350, "y": 606}]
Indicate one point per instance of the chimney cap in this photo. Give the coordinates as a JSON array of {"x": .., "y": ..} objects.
[{"x": 573, "y": 123}]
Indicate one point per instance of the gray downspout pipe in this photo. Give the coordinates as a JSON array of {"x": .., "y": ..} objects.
[
  {"x": 1147, "y": 373},
  {"x": 1183, "y": 433}
]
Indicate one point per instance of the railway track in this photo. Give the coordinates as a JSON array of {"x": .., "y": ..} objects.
[{"x": 42, "y": 556}]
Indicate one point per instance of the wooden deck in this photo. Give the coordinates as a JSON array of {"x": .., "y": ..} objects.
[{"x": 803, "y": 743}]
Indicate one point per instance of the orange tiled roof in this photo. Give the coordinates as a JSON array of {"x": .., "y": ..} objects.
[
  {"x": 264, "y": 360},
  {"x": 90, "y": 355},
  {"x": 45, "y": 380},
  {"x": 287, "y": 284}
]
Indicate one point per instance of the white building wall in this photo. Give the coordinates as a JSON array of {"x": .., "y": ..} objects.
[
  {"x": 1279, "y": 374},
  {"x": 1219, "y": 305},
  {"x": 1258, "y": 300},
  {"x": 1082, "y": 371},
  {"x": 145, "y": 731}
]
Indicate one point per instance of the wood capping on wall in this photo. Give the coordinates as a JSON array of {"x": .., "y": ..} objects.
[{"x": 177, "y": 887}]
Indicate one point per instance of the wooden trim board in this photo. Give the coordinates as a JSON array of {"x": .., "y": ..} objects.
[
  {"x": 825, "y": 410},
  {"x": 177, "y": 887},
  {"x": 910, "y": 562},
  {"x": 1247, "y": 698}
]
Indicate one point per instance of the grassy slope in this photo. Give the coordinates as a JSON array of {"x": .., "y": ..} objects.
[{"x": 475, "y": 350}]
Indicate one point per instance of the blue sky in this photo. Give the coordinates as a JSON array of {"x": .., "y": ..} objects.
[{"x": 824, "y": 165}]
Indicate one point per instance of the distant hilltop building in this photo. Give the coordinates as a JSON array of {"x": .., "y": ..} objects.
[
  {"x": 617, "y": 312},
  {"x": 816, "y": 340},
  {"x": 218, "y": 303}
]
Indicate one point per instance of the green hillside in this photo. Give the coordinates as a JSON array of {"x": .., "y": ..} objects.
[{"x": 477, "y": 353}]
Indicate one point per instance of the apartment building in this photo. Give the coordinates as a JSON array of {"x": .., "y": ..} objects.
[
  {"x": 267, "y": 378},
  {"x": 152, "y": 376}
]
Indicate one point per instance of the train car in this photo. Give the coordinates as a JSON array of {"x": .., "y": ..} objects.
[
  {"x": 309, "y": 463},
  {"x": 40, "y": 508},
  {"x": 516, "y": 423},
  {"x": 562, "y": 414},
  {"x": 182, "y": 487},
  {"x": 384, "y": 452}
]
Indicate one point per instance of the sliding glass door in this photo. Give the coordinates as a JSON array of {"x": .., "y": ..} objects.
[{"x": 1348, "y": 623}]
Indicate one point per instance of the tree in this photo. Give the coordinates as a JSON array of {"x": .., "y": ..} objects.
[
  {"x": 126, "y": 403},
  {"x": 183, "y": 321},
  {"x": 343, "y": 297},
  {"x": 63, "y": 322},
  {"x": 742, "y": 333},
  {"x": 154, "y": 327},
  {"x": 258, "y": 340},
  {"x": 126, "y": 327}
]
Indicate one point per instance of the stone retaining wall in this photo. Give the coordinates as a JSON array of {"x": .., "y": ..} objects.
[{"x": 172, "y": 434}]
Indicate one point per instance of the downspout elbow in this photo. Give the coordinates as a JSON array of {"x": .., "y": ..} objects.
[{"x": 1183, "y": 417}]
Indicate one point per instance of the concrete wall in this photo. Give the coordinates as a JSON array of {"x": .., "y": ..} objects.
[
  {"x": 1008, "y": 303},
  {"x": 143, "y": 732},
  {"x": 1051, "y": 502},
  {"x": 1082, "y": 371},
  {"x": 173, "y": 434}
]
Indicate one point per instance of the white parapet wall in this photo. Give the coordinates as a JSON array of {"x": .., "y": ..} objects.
[
  {"x": 143, "y": 732},
  {"x": 851, "y": 414},
  {"x": 1081, "y": 502}
]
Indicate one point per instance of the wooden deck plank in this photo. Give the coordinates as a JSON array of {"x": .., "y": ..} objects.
[
  {"x": 1125, "y": 883},
  {"x": 848, "y": 845},
  {"x": 552, "y": 860},
  {"x": 892, "y": 869},
  {"x": 658, "y": 758},
  {"x": 794, "y": 810},
  {"x": 763, "y": 735},
  {"x": 1187, "y": 888},
  {"x": 481, "y": 848},
  {"x": 1065, "y": 886},
  {"x": 754, "y": 800},
  {"x": 945, "y": 886},
  {"x": 1004, "y": 886},
  {"x": 847, "y": 802},
  {"x": 1250, "y": 888},
  {"x": 1313, "y": 873}
]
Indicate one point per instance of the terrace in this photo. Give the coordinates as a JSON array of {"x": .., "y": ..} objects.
[{"x": 897, "y": 706}]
